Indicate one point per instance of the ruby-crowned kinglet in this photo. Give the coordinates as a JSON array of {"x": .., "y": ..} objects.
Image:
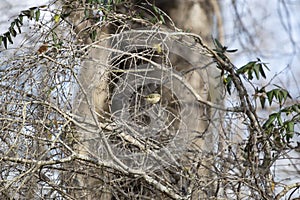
[{"x": 152, "y": 98}]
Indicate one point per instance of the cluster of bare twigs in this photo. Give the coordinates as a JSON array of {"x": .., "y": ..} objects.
[{"x": 184, "y": 145}]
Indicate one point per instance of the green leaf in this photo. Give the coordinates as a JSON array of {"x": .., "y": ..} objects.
[
  {"x": 31, "y": 14},
  {"x": 26, "y": 13},
  {"x": 265, "y": 65},
  {"x": 262, "y": 101},
  {"x": 158, "y": 12},
  {"x": 43, "y": 6},
  {"x": 87, "y": 13},
  {"x": 33, "y": 8},
  {"x": 289, "y": 131},
  {"x": 232, "y": 50},
  {"x": 271, "y": 119},
  {"x": 12, "y": 31},
  {"x": 262, "y": 72},
  {"x": 256, "y": 68},
  {"x": 228, "y": 82},
  {"x": 290, "y": 127},
  {"x": 1, "y": 39},
  {"x": 12, "y": 24},
  {"x": 244, "y": 69},
  {"x": 18, "y": 24},
  {"x": 21, "y": 19},
  {"x": 279, "y": 119},
  {"x": 8, "y": 36},
  {"x": 278, "y": 86},
  {"x": 155, "y": 9},
  {"x": 162, "y": 19},
  {"x": 250, "y": 76},
  {"x": 270, "y": 96},
  {"x": 276, "y": 93},
  {"x": 280, "y": 98},
  {"x": 5, "y": 42},
  {"x": 280, "y": 94},
  {"x": 286, "y": 94},
  {"x": 296, "y": 108},
  {"x": 54, "y": 37},
  {"x": 253, "y": 67},
  {"x": 288, "y": 137},
  {"x": 93, "y": 35},
  {"x": 218, "y": 44},
  {"x": 37, "y": 15}
]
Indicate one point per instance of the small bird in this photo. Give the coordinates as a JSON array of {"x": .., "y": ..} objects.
[
  {"x": 152, "y": 98},
  {"x": 158, "y": 48}
]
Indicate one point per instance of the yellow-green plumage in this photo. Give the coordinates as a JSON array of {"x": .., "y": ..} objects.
[{"x": 152, "y": 98}]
